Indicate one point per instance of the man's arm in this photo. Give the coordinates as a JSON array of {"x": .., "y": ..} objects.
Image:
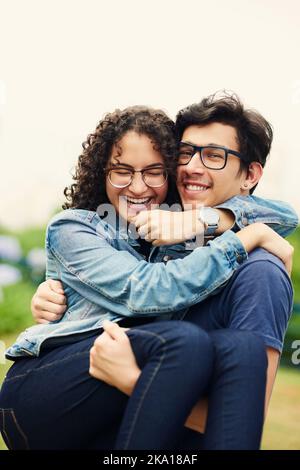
[{"x": 273, "y": 362}]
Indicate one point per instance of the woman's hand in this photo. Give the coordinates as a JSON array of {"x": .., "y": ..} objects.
[
  {"x": 112, "y": 359},
  {"x": 260, "y": 235},
  {"x": 49, "y": 302},
  {"x": 167, "y": 227}
]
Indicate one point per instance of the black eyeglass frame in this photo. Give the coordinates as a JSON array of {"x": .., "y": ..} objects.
[
  {"x": 197, "y": 148},
  {"x": 108, "y": 170}
]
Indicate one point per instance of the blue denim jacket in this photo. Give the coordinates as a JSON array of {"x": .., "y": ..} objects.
[{"x": 104, "y": 276}]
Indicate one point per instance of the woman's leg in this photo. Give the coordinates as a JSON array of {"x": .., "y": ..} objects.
[
  {"x": 51, "y": 402},
  {"x": 171, "y": 382}
]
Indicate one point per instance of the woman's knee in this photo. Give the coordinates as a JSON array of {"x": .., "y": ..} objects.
[
  {"x": 246, "y": 348},
  {"x": 192, "y": 341},
  {"x": 180, "y": 341}
]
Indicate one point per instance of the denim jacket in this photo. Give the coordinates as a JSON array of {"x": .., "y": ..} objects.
[{"x": 104, "y": 276}]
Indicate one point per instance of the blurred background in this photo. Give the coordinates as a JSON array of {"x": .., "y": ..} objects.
[{"x": 65, "y": 63}]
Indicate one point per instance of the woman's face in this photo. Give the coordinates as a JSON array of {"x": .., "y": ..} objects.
[{"x": 135, "y": 152}]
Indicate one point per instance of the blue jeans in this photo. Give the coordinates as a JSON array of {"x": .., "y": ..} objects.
[
  {"x": 51, "y": 401},
  {"x": 237, "y": 394}
]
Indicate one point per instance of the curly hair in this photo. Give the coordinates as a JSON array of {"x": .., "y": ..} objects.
[{"x": 89, "y": 191}]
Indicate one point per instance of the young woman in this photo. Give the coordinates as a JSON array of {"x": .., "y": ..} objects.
[{"x": 48, "y": 400}]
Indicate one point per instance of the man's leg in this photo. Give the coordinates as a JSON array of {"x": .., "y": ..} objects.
[{"x": 237, "y": 396}]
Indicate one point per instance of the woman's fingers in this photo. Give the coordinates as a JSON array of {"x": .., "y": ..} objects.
[{"x": 141, "y": 218}]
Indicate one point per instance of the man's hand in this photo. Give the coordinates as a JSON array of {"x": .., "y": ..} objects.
[
  {"x": 49, "y": 302},
  {"x": 167, "y": 227},
  {"x": 112, "y": 359}
]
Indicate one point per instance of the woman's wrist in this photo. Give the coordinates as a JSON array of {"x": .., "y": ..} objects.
[
  {"x": 252, "y": 236},
  {"x": 227, "y": 219}
]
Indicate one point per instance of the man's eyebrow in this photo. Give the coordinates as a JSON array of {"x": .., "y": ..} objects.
[{"x": 187, "y": 142}]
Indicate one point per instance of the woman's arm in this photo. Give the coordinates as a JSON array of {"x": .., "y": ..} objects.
[
  {"x": 124, "y": 286},
  {"x": 117, "y": 280},
  {"x": 89, "y": 264},
  {"x": 167, "y": 227}
]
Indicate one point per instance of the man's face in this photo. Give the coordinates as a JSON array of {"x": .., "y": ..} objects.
[{"x": 199, "y": 185}]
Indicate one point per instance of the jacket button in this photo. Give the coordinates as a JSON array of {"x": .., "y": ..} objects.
[
  {"x": 167, "y": 258},
  {"x": 239, "y": 259}
]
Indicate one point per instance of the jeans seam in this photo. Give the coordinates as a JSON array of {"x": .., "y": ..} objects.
[
  {"x": 146, "y": 388},
  {"x": 9, "y": 379},
  {"x": 19, "y": 429},
  {"x": 4, "y": 432}
]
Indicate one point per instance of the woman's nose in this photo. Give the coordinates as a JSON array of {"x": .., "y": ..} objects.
[{"x": 137, "y": 185}]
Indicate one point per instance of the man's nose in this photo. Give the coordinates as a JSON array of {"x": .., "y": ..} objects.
[{"x": 195, "y": 164}]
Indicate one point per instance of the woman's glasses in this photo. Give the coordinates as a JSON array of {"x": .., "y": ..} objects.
[{"x": 122, "y": 176}]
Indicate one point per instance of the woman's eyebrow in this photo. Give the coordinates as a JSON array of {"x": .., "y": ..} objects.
[
  {"x": 152, "y": 165},
  {"x": 122, "y": 164}
]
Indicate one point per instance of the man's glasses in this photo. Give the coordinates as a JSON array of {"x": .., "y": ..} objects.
[
  {"x": 213, "y": 157},
  {"x": 121, "y": 177}
]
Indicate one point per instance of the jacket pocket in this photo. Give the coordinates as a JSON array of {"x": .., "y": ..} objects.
[{"x": 12, "y": 433}]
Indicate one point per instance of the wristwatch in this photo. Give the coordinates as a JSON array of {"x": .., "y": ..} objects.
[{"x": 210, "y": 217}]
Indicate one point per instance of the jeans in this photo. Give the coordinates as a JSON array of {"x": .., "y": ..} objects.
[
  {"x": 51, "y": 401},
  {"x": 237, "y": 394}
]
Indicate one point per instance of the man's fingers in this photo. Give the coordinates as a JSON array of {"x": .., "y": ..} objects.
[
  {"x": 101, "y": 341},
  {"x": 46, "y": 317},
  {"x": 42, "y": 321},
  {"x": 53, "y": 297},
  {"x": 52, "y": 308},
  {"x": 56, "y": 286},
  {"x": 114, "y": 330}
]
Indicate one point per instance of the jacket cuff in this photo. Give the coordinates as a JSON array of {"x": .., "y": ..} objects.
[{"x": 232, "y": 248}]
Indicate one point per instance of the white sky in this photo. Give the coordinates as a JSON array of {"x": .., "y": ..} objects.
[{"x": 64, "y": 63}]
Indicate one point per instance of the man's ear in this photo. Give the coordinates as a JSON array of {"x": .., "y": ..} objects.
[{"x": 252, "y": 177}]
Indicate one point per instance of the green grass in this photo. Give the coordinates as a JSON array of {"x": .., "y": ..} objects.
[
  {"x": 6, "y": 341},
  {"x": 294, "y": 239},
  {"x": 282, "y": 427},
  {"x": 15, "y": 314}
]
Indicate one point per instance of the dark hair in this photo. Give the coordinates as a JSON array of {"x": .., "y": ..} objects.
[
  {"x": 254, "y": 132},
  {"x": 89, "y": 191}
]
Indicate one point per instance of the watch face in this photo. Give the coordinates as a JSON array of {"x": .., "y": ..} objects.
[{"x": 210, "y": 215}]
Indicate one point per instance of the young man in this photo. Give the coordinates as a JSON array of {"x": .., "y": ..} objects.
[{"x": 222, "y": 151}]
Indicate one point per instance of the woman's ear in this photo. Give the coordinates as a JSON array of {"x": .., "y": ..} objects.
[{"x": 252, "y": 177}]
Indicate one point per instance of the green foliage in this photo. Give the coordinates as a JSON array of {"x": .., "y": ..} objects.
[
  {"x": 15, "y": 312},
  {"x": 294, "y": 239},
  {"x": 28, "y": 238},
  {"x": 15, "y": 301},
  {"x": 293, "y": 331}
]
